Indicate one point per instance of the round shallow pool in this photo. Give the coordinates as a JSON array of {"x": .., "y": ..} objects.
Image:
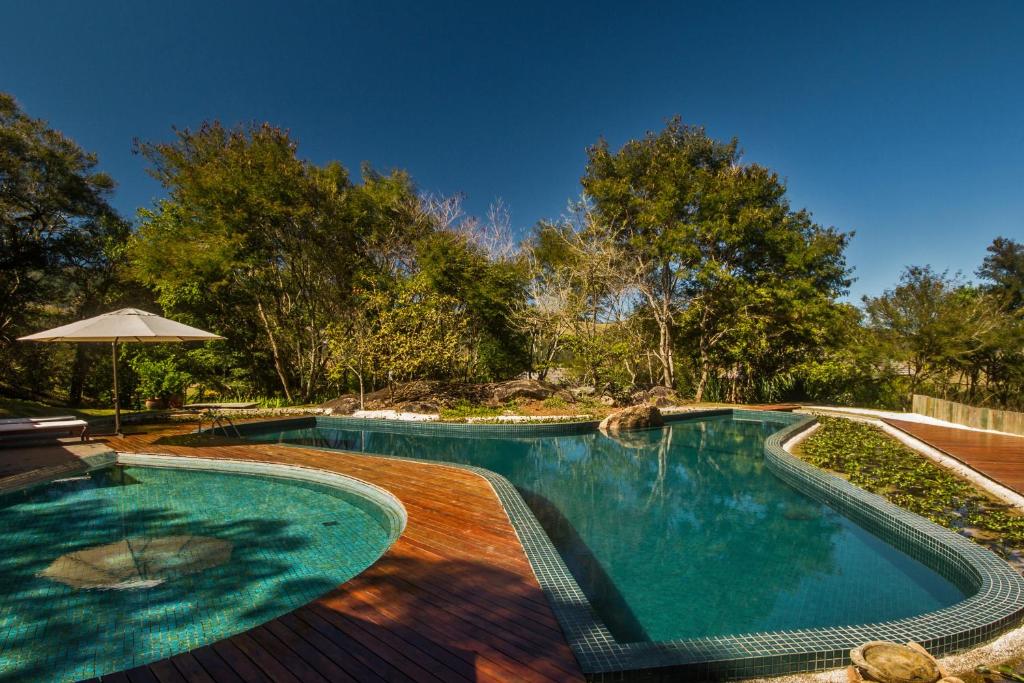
[{"x": 129, "y": 565}]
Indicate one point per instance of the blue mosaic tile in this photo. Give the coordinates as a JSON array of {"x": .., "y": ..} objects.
[{"x": 160, "y": 561}]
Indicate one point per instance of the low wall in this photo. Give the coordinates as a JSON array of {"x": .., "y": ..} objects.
[{"x": 969, "y": 416}]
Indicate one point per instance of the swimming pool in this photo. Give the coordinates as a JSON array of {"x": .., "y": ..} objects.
[
  {"x": 128, "y": 565},
  {"x": 682, "y": 532},
  {"x": 704, "y": 546}
]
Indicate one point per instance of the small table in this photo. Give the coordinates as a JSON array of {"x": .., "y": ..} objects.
[{"x": 214, "y": 412}]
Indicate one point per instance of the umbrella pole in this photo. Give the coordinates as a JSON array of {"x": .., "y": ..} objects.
[{"x": 117, "y": 402}]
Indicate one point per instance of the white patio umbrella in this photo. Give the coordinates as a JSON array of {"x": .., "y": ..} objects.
[{"x": 125, "y": 325}]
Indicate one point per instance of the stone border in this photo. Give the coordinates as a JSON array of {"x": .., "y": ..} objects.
[{"x": 996, "y": 592}]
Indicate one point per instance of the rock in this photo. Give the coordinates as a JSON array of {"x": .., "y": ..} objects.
[
  {"x": 343, "y": 405},
  {"x": 634, "y": 417},
  {"x": 503, "y": 392},
  {"x": 581, "y": 392},
  {"x": 607, "y": 400},
  {"x": 419, "y": 407},
  {"x": 895, "y": 663},
  {"x": 659, "y": 396}
]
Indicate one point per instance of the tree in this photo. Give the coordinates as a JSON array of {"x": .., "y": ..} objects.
[
  {"x": 931, "y": 322},
  {"x": 477, "y": 262},
  {"x": 716, "y": 253},
  {"x": 61, "y": 242},
  {"x": 576, "y": 294},
  {"x": 410, "y": 331},
  {"x": 256, "y": 241},
  {"x": 650, "y": 194},
  {"x": 1003, "y": 268}
]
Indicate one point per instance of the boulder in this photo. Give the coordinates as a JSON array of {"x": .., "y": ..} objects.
[
  {"x": 659, "y": 396},
  {"x": 343, "y": 405},
  {"x": 634, "y": 417},
  {"x": 419, "y": 407},
  {"x": 607, "y": 400},
  {"x": 503, "y": 392}
]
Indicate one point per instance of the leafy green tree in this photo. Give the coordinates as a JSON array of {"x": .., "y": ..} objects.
[
  {"x": 1003, "y": 269},
  {"x": 254, "y": 241},
  {"x": 928, "y": 324},
  {"x": 61, "y": 244},
  {"x": 488, "y": 289},
  {"x": 722, "y": 263},
  {"x": 650, "y": 193},
  {"x": 410, "y": 331}
]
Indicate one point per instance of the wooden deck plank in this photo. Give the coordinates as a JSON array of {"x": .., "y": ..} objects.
[
  {"x": 309, "y": 653},
  {"x": 997, "y": 456},
  {"x": 343, "y": 656},
  {"x": 238, "y": 661},
  {"x": 215, "y": 666},
  {"x": 190, "y": 668},
  {"x": 165, "y": 672},
  {"x": 454, "y": 599}
]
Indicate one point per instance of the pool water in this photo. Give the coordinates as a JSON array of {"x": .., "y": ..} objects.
[
  {"x": 682, "y": 532},
  {"x": 128, "y": 565}
]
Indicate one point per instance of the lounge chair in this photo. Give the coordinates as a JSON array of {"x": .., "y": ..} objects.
[
  {"x": 20, "y": 428},
  {"x": 22, "y": 420}
]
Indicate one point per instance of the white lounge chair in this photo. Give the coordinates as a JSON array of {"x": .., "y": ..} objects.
[
  {"x": 66, "y": 426},
  {"x": 22, "y": 420}
]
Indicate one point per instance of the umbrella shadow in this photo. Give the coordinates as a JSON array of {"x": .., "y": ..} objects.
[{"x": 183, "y": 592}]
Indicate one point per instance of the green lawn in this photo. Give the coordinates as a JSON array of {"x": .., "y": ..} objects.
[{"x": 14, "y": 407}]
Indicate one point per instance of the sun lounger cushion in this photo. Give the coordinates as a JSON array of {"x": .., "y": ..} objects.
[
  {"x": 51, "y": 427},
  {"x": 23, "y": 420}
]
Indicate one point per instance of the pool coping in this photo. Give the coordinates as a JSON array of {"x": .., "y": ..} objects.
[{"x": 996, "y": 603}]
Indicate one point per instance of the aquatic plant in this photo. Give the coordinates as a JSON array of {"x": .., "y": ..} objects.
[{"x": 876, "y": 462}]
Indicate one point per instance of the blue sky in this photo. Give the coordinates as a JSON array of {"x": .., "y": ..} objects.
[{"x": 902, "y": 121}]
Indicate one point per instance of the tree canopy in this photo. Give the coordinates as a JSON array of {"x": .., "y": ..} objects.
[{"x": 681, "y": 265}]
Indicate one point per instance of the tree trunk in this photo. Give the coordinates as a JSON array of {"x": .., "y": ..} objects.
[
  {"x": 665, "y": 353},
  {"x": 78, "y": 372},
  {"x": 702, "y": 382},
  {"x": 274, "y": 351}
]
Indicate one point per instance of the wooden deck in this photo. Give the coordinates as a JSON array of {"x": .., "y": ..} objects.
[
  {"x": 997, "y": 456},
  {"x": 24, "y": 465},
  {"x": 454, "y": 599}
]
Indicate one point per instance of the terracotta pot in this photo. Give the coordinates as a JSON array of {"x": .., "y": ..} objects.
[{"x": 155, "y": 404}]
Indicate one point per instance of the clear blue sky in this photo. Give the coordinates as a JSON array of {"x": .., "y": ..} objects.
[{"x": 902, "y": 121}]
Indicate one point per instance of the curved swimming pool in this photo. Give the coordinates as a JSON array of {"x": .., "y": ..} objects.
[
  {"x": 128, "y": 565},
  {"x": 683, "y": 532},
  {"x": 703, "y": 546}
]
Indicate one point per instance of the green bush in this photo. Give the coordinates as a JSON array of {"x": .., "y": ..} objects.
[{"x": 159, "y": 377}]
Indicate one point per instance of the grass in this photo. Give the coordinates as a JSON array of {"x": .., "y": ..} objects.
[
  {"x": 874, "y": 461},
  {"x": 15, "y": 407}
]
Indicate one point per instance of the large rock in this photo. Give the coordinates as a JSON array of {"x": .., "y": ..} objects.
[
  {"x": 423, "y": 407},
  {"x": 634, "y": 417},
  {"x": 503, "y": 392},
  {"x": 343, "y": 405},
  {"x": 659, "y": 396}
]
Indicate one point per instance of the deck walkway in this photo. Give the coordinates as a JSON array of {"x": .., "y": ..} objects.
[
  {"x": 454, "y": 599},
  {"x": 999, "y": 457},
  {"x": 27, "y": 464}
]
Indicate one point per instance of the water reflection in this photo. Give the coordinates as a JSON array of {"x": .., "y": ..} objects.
[{"x": 682, "y": 531}]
